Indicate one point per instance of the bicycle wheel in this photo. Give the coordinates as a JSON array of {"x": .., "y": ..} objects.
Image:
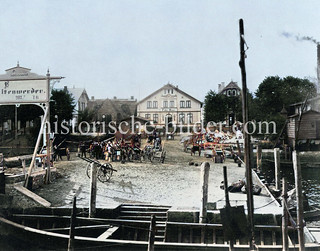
[
  {"x": 105, "y": 173},
  {"x": 88, "y": 170}
]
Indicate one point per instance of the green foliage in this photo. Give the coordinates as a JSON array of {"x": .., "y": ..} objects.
[
  {"x": 217, "y": 106},
  {"x": 275, "y": 92},
  {"x": 86, "y": 115},
  {"x": 61, "y": 105}
]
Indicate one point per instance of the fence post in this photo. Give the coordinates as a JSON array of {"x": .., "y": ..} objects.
[
  {"x": 298, "y": 183},
  {"x": 205, "y": 167},
  {"x": 284, "y": 216},
  {"x": 2, "y": 183},
  {"x": 93, "y": 191},
  {"x": 152, "y": 233},
  {"x": 277, "y": 167},
  {"x": 72, "y": 225}
]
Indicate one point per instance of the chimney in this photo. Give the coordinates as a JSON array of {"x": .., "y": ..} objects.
[
  {"x": 92, "y": 97},
  {"x": 65, "y": 88},
  {"x": 132, "y": 97},
  {"x": 318, "y": 67},
  {"x": 220, "y": 87}
]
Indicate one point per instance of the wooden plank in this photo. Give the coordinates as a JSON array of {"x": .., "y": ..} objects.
[
  {"x": 33, "y": 196},
  {"x": 108, "y": 233},
  {"x": 214, "y": 236}
]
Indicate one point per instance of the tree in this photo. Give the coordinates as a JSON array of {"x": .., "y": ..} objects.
[
  {"x": 218, "y": 106},
  {"x": 274, "y": 93},
  {"x": 61, "y": 107}
]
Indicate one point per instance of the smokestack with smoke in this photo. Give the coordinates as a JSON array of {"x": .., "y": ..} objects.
[
  {"x": 313, "y": 40},
  {"x": 318, "y": 67}
]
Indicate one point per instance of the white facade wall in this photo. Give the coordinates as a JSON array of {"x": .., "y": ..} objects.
[{"x": 169, "y": 102}]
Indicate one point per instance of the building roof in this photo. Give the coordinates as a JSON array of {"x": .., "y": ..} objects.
[
  {"x": 231, "y": 85},
  {"x": 172, "y": 87},
  {"x": 77, "y": 92},
  {"x": 119, "y": 109},
  {"x": 306, "y": 112},
  {"x": 22, "y": 73}
]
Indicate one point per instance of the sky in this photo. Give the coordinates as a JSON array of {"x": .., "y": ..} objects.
[{"x": 127, "y": 48}]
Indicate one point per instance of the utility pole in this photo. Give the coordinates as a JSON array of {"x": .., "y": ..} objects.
[
  {"x": 298, "y": 183},
  {"x": 226, "y": 194},
  {"x": 285, "y": 245},
  {"x": 246, "y": 136},
  {"x": 47, "y": 130}
]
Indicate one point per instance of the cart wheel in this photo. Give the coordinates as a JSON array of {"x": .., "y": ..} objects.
[
  {"x": 105, "y": 173},
  {"x": 88, "y": 171}
]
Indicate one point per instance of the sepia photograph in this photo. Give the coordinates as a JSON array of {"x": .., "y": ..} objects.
[{"x": 148, "y": 125}]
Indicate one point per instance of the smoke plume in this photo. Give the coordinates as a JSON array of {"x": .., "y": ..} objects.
[{"x": 299, "y": 38}]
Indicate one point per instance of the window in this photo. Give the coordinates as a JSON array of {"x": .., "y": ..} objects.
[
  {"x": 188, "y": 104},
  {"x": 155, "y": 118},
  {"x": 149, "y": 104},
  {"x": 165, "y": 104},
  {"x": 148, "y": 116},
  {"x": 171, "y": 103},
  {"x": 234, "y": 92},
  {"x": 155, "y": 104},
  {"x": 190, "y": 118},
  {"x": 182, "y": 104},
  {"x": 181, "y": 118}
]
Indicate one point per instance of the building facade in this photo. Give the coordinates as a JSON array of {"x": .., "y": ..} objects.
[
  {"x": 170, "y": 105},
  {"x": 231, "y": 90}
]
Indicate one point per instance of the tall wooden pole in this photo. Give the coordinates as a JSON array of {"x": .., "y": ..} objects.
[
  {"x": 47, "y": 131},
  {"x": 205, "y": 167},
  {"x": 285, "y": 243},
  {"x": 226, "y": 193},
  {"x": 298, "y": 183},
  {"x": 246, "y": 137},
  {"x": 276, "y": 152},
  {"x": 93, "y": 191},
  {"x": 36, "y": 147},
  {"x": 72, "y": 225}
]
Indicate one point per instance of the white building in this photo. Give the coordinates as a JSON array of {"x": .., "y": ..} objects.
[
  {"x": 170, "y": 104},
  {"x": 81, "y": 100}
]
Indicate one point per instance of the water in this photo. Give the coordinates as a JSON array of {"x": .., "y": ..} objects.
[{"x": 310, "y": 180}]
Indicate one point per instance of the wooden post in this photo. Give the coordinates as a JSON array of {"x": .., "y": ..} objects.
[
  {"x": 93, "y": 191},
  {"x": 205, "y": 167},
  {"x": 225, "y": 180},
  {"x": 2, "y": 183},
  {"x": 72, "y": 225},
  {"x": 285, "y": 245},
  {"x": 259, "y": 157},
  {"x": 36, "y": 147},
  {"x": 298, "y": 183},
  {"x": 246, "y": 136},
  {"x": 152, "y": 231},
  {"x": 239, "y": 149},
  {"x": 226, "y": 193},
  {"x": 285, "y": 152},
  {"x": 277, "y": 167},
  {"x": 24, "y": 166}
]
